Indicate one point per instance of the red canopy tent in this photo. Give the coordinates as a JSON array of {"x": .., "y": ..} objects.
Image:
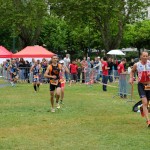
[
  {"x": 33, "y": 52},
  {"x": 4, "y": 53}
]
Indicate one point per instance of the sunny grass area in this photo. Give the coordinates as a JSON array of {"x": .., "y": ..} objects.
[{"x": 89, "y": 120}]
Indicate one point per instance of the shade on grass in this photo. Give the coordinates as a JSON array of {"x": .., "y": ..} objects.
[{"x": 90, "y": 119}]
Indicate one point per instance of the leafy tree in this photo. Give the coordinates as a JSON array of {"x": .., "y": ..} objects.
[
  {"x": 109, "y": 17},
  {"x": 54, "y": 34},
  {"x": 137, "y": 35},
  {"x": 24, "y": 18}
]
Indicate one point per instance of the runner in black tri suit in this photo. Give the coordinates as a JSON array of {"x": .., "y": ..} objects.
[{"x": 52, "y": 72}]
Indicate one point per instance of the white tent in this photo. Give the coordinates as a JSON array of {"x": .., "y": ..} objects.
[{"x": 116, "y": 52}]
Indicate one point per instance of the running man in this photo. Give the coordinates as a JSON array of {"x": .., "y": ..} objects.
[
  {"x": 36, "y": 75},
  {"x": 62, "y": 79},
  {"x": 52, "y": 72},
  {"x": 143, "y": 69}
]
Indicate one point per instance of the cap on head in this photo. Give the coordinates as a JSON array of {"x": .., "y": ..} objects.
[{"x": 61, "y": 62}]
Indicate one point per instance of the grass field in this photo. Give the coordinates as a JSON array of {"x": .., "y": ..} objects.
[{"x": 90, "y": 119}]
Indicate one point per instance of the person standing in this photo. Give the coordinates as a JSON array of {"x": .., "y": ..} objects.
[
  {"x": 53, "y": 73},
  {"x": 87, "y": 71},
  {"x": 73, "y": 71},
  {"x": 115, "y": 64},
  {"x": 143, "y": 69},
  {"x": 84, "y": 64},
  {"x": 122, "y": 79},
  {"x": 104, "y": 73},
  {"x": 110, "y": 71},
  {"x": 22, "y": 69},
  {"x": 66, "y": 63},
  {"x": 79, "y": 69}
]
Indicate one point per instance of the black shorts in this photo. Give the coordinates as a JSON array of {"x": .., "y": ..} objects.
[
  {"x": 53, "y": 87},
  {"x": 143, "y": 93},
  {"x": 74, "y": 77},
  {"x": 13, "y": 75}
]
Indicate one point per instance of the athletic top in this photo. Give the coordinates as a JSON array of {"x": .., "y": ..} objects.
[
  {"x": 36, "y": 70},
  {"x": 13, "y": 69},
  {"x": 143, "y": 71},
  {"x": 54, "y": 70}
]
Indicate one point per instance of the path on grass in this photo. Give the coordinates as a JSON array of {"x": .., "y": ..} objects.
[{"x": 4, "y": 85}]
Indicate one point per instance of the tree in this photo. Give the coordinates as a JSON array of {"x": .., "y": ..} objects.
[
  {"x": 109, "y": 17},
  {"x": 54, "y": 34},
  {"x": 24, "y": 18},
  {"x": 137, "y": 35}
]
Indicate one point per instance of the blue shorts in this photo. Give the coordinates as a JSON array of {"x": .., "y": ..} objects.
[{"x": 36, "y": 78}]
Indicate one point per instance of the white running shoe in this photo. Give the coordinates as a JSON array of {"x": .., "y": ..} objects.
[
  {"x": 57, "y": 105},
  {"x": 12, "y": 84},
  {"x": 52, "y": 110}
]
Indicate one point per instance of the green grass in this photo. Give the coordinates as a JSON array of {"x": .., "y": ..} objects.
[{"x": 90, "y": 120}]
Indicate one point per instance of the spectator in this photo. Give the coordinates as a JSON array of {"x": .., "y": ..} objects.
[
  {"x": 66, "y": 63},
  {"x": 84, "y": 65},
  {"x": 115, "y": 64},
  {"x": 79, "y": 69},
  {"x": 22, "y": 69},
  {"x": 105, "y": 73},
  {"x": 110, "y": 71},
  {"x": 122, "y": 79},
  {"x": 73, "y": 71}
]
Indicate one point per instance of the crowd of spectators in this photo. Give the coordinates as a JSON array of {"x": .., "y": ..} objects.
[{"x": 81, "y": 70}]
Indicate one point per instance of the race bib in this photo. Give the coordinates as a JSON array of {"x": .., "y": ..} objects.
[
  {"x": 36, "y": 76},
  {"x": 147, "y": 87},
  {"x": 54, "y": 82}
]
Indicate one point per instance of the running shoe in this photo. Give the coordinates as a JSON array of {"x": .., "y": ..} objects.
[
  {"x": 52, "y": 110},
  {"x": 12, "y": 84},
  {"x": 148, "y": 123},
  {"x": 141, "y": 111},
  {"x": 57, "y": 105}
]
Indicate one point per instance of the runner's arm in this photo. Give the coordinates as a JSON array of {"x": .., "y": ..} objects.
[
  {"x": 31, "y": 69},
  {"x": 46, "y": 74},
  {"x": 132, "y": 73},
  {"x": 67, "y": 70}
]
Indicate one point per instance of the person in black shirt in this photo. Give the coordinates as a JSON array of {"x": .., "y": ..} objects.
[
  {"x": 22, "y": 69},
  {"x": 115, "y": 64},
  {"x": 110, "y": 71}
]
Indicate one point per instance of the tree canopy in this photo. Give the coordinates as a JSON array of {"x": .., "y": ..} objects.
[{"x": 74, "y": 26}]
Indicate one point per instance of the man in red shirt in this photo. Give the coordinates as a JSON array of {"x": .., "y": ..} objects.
[
  {"x": 105, "y": 73},
  {"x": 122, "y": 79},
  {"x": 73, "y": 71},
  {"x": 121, "y": 68}
]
